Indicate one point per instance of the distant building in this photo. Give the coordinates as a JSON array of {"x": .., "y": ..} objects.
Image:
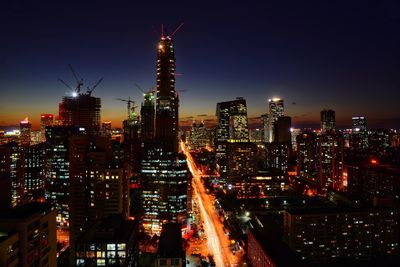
[
  {"x": 330, "y": 161},
  {"x": 259, "y": 185},
  {"x": 25, "y": 128},
  {"x": 359, "y": 135},
  {"x": 256, "y": 135},
  {"x": 198, "y": 136},
  {"x": 112, "y": 241},
  {"x": 35, "y": 226},
  {"x": 307, "y": 155},
  {"x": 276, "y": 110},
  {"x": 170, "y": 247},
  {"x": 279, "y": 150},
  {"x": 328, "y": 120},
  {"x": 379, "y": 141},
  {"x": 46, "y": 120},
  {"x": 106, "y": 129},
  {"x": 147, "y": 114},
  {"x": 232, "y": 128},
  {"x": 376, "y": 184},
  {"x": 241, "y": 159},
  {"x": 359, "y": 124},
  {"x": 81, "y": 110},
  {"x": 232, "y": 121}
]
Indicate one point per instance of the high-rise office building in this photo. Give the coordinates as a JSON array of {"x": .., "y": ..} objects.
[
  {"x": 34, "y": 174},
  {"x": 327, "y": 120},
  {"x": 167, "y": 120},
  {"x": 25, "y": 128},
  {"x": 57, "y": 170},
  {"x": 278, "y": 151},
  {"x": 359, "y": 124},
  {"x": 165, "y": 185},
  {"x": 147, "y": 114},
  {"x": 359, "y": 134},
  {"x": 307, "y": 155},
  {"x": 46, "y": 120},
  {"x": 11, "y": 175},
  {"x": 330, "y": 161},
  {"x": 81, "y": 110},
  {"x": 276, "y": 110},
  {"x": 232, "y": 121},
  {"x": 96, "y": 184},
  {"x": 132, "y": 143},
  {"x": 198, "y": 136},
  {"x": 232, "y": 127}
]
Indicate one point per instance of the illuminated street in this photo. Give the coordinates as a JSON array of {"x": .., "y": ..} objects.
[{"x": 217, "y": 241}]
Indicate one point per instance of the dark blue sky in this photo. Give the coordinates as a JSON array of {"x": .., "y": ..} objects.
[{"x": 343, "y": 55}]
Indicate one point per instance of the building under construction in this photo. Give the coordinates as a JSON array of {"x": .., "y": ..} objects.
[{"x": 82, "y": 110}]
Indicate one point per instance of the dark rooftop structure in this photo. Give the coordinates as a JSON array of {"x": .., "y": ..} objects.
[
  {"x": 25, "y": 211},
  {"x": 170, "y": 250}
]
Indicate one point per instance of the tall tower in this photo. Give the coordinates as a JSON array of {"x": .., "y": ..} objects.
[
  {"x": 327, "y": 120},
  {"x": 147, "y": 116},
  {"x": 167, "y": 101},
  {"x": 46, "y": 120},
  {"x": 276, "y": 108},
  {"x": 25, "y": 128}
]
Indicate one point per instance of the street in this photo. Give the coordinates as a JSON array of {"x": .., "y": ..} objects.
[{"x": 218, "y": 243}]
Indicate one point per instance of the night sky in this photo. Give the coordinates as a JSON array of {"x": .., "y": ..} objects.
[{"x": 343, "y": 55}]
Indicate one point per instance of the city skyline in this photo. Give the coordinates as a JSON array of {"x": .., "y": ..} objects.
[{"x": 315, "y": 66}]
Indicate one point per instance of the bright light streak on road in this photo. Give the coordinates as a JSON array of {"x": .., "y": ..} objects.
[{"x": 213, "y": 241}]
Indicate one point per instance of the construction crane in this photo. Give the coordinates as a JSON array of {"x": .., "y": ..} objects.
[
  {"x": 90, "y": 90},
  {"x": 129, "y": 106},
  {"x": 79, "y": 81}
]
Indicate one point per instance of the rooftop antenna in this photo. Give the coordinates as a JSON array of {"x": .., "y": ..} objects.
[
  {"x": 162, "y": 30},
  {"x": 177, "y": 29}
]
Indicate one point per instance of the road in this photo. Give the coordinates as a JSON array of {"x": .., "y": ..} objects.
[{"x": 218, "y": 243}]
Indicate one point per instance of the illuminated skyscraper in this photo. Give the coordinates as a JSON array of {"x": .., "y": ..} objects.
[
  {"x": 25, "y": 128},
  {"x": 34, "y": 174},
  {"x": 57, "y": 170},
  {"x": 359, "y": 135},
  {"x": 11, "y": 175},
  {"x": 165, "y": 181},
  {"x": 232, "y": 127},
  {"x": 232, "y": 121},
  {"x": 164, "y": 173},
  {"x": 330, "y": 161},
  {"x": 307, "y": 155},
  {"x": 46, "y": 120},
  {"x": 167, "y": 101},
  {"x": 327, "y": 120},
  {"x": 359, "y": 124},
  {"x": 147, "y": 114},
  {"x": 276, "y": 109}
]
